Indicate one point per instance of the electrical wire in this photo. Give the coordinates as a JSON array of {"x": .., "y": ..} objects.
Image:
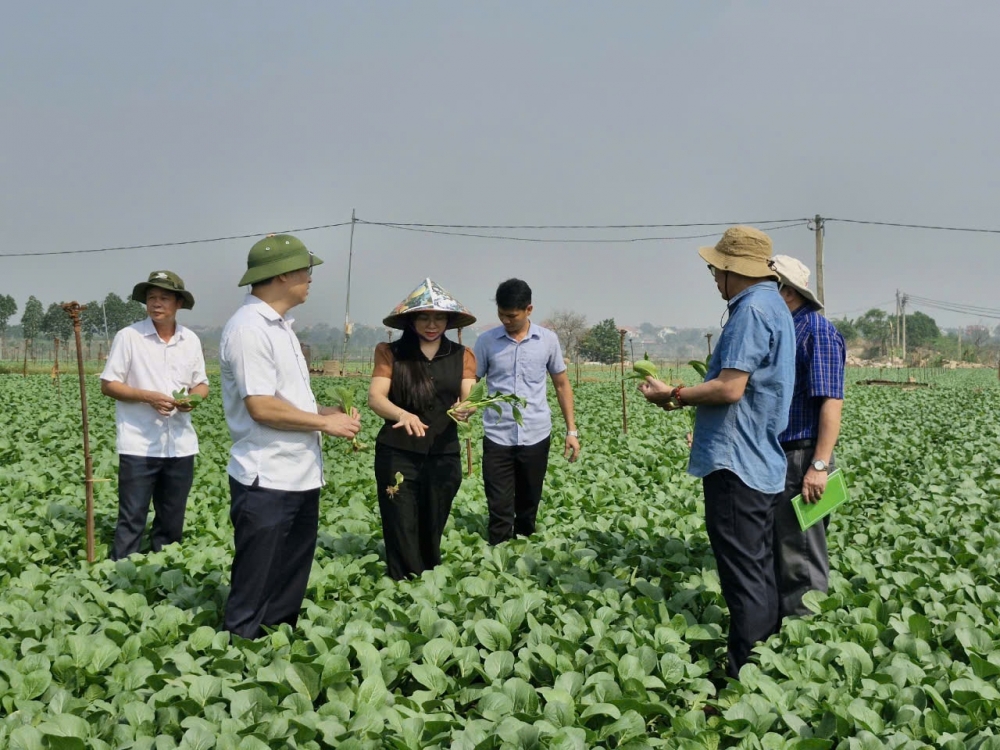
[
  {"x": 583, "y": 226},
  {"x": 914, "y": 226},
  {"x": 560, "y": 240},
  {"x": 171, "y": 244},
  {"x": 962, "y": 305}
]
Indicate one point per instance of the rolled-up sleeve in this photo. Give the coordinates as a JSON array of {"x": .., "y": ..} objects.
[{"x": 827, "y": 357}]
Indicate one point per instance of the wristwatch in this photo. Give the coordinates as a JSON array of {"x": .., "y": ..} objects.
[
  {"x": 572, "y": 433},
  {"x": 820, "y": 465}
]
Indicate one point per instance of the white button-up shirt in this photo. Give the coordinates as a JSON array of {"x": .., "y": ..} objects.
[
  {"x": 260, "y": 355},
  {"x": 141, "y": 359}
]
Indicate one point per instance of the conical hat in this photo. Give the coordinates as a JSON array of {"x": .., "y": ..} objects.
[{"x": 428, "y": 297}]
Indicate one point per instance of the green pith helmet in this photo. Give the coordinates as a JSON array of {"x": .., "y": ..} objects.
[
  {"x": 274, "y": 255},
  {"x": 164, "y": 280}
]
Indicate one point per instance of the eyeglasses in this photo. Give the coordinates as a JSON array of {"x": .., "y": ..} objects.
[
  {"x": 309, "y": 270},
  {"x": 711, "y": 270}
]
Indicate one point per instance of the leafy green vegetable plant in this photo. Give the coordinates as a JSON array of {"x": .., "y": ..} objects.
[
  {"x": 184, "y": 397},
  {"x": 345, "y": 399},
  {"x": 480, "y": 398}
]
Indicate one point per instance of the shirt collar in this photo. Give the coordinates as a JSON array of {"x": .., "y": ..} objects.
[
  {"x": 802, "y": 310},
  {"x": 146, "y": 328},
  {"x": 760, "y": 286},
  {"x": 532, "y": 332},
  {"x": 265, "y": 310}
]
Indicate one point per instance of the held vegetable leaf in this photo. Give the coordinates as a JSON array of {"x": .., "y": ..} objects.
[
  {"x": 345, "y": 399},
  {"x": 185, "y": 398}
]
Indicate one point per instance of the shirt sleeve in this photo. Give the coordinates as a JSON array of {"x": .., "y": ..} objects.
[
  {"x": 746, "y": 342},
  {"x": 198, "y": 374},
  {"x": 555, "y": 364},
  {"x": 252, "y": 360},
  {"x": 469, "y": 365},
  {"x": 481, "y": 356},
  {"x": 119, "y": 359},
  {"x": 383, "y": 361},
  {"x": 827, "y": 356}
]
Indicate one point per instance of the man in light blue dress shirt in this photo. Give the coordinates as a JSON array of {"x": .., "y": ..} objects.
[
  {"x": 517, "y": 357},
  {"x": 742, "y": 408}
]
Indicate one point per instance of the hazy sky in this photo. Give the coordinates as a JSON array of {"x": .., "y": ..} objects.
[{"x": 127, "y": 123}]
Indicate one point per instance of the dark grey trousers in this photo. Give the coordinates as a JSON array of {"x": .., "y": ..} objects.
[{"x": 800, "y": 557}]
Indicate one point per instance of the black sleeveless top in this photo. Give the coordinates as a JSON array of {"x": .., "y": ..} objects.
[{"x": 445, "y": 371}]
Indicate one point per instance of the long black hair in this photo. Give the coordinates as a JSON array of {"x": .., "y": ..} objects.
[{"x": 411, "y": 387}]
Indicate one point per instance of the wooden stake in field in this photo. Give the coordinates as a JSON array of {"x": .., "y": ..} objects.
[
  {"x": 468, "y": 440},
  {"x": 73, "y": 309},
  {"x": 621, "y": 336},
  {"x": 55, "y": 370}
]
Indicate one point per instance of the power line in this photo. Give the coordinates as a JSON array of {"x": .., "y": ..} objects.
[
  {"x": 955, "y": 307},
  {"x": 560, "y": 240},
  {"x": 172, "y": 244},
  {"x": 866, "y": 308},
  {"x": 963, "y": 305},
  {"x": 402, "y": 224},
  {"x": 915, "y": 226}
]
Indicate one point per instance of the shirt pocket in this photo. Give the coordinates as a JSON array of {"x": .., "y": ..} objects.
[
  {"x": 181, "y": 370},
  {"x": 532, "y": 367}
]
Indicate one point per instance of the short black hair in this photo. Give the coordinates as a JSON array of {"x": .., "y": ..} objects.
[{"x": 513, "y": 294}]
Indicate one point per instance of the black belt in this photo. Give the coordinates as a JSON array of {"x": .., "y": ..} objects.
[{"x": 797, "y": 445}]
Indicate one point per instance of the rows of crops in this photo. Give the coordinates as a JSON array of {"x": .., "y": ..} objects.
[{"x": 606, "y": 629}]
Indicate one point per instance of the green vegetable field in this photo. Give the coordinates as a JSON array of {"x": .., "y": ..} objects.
[{"x": 604, "y": 630}]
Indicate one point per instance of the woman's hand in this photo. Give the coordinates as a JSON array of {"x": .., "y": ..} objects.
[
  {"x": 462, "y": 415},
  {"x": 411, "y": 423}
]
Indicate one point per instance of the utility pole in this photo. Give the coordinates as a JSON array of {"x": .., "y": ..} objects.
[
  {"x": 818, "y": 224},
  {"x": 347, "y": 313},
  {"x": 902, "y": 309}
]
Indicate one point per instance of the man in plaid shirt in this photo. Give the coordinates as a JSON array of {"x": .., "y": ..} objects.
[{"x": 800, "y": 557}]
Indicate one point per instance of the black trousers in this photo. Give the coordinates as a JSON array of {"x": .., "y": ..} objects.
[
  {"x": 513, "y": 476},
  {"x": 740, "y": 522},
  {"x": 167, "y": 481},
  {"x": 414, "y": 514},
  {"x": 275, "y": 534}
]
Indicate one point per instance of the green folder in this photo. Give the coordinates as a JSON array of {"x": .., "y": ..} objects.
[{"x": 834, "y": 494}]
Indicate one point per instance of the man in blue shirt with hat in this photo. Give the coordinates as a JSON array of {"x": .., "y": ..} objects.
[{"x": 742, "y": 408}]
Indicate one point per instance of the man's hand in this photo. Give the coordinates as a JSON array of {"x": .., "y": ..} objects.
[
  {"x": 657, "y": 392},
  {"x": 411, "y": 423},
  {"x": 813, "y": 485},
  {"x": 572, "y": 449},
  {"x": 163, "y": 403},
  {"x": 339, "y": 424}
]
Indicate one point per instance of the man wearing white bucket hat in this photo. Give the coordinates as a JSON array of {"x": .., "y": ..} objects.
[{"x": 800, "y": 557}]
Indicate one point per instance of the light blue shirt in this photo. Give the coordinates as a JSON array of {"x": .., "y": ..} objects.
[
  {"x": 759, "y": 339},
  {"x": 521, "y": 368}
]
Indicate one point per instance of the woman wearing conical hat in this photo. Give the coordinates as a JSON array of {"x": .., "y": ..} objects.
[{"x": 416, "y": 379}]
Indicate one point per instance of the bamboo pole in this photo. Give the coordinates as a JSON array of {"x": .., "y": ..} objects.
[
  {"x": 468, "y": 440},
  {"x": 621, "y": 343},
  {"x": 73, "y": 309},
  {"x": 55, "y": 371}
]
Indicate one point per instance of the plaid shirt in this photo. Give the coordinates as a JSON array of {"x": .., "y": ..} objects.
[{"x": 820, "y": 354}]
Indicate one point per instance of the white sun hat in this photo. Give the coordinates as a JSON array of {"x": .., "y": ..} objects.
[{"x": 794, "y": 273}]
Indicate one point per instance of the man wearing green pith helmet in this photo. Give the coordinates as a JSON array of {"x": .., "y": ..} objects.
[{"x": 276, "y": 462}]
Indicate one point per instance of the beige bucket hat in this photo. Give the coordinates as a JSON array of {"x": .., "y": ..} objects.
[
  {"x": 742, "y": 250},
  {"x": 794, "y": 273},
  {"x": 429, "y": 297}
]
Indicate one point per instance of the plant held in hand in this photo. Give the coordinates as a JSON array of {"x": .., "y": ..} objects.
[
  {"x": 345, "y": 399},
  {"x": 480, "y": 398},
  {"x": 186, "y": 398}
]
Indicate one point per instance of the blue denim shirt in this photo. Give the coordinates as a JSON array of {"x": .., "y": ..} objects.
[
  {"x": 759, "y": 339},
  {"x": 519, "y": 367}
]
